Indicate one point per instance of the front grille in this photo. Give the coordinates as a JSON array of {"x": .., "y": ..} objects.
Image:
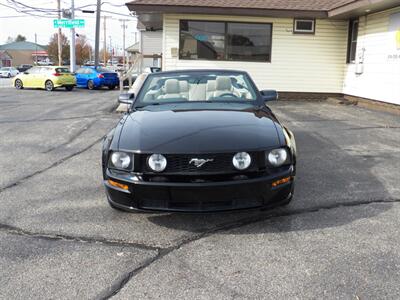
[{"x": 221, "y": 164}]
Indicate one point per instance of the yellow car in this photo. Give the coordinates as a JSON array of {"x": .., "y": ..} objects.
[{"x": 46, "y": 77}]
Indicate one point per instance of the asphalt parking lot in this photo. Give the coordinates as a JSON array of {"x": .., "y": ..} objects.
[
  {"x": 6, "y": 82},
  {"x": 59, "y": 239}
]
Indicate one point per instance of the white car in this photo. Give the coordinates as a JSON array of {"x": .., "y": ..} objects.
[{"x": 8, "y": 72}]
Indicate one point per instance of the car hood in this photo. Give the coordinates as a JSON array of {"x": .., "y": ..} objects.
[{"x": 198, "y": 131}]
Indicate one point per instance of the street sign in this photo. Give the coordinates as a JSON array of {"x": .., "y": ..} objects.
[{"x": 66, "y": 23}]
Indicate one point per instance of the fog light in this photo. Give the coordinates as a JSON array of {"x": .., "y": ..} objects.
[
  {"x": 281, "y": 181},
  {"x": 118, "y": 185}
]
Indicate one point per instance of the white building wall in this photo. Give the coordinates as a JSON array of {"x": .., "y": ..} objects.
[
  {"x": 379, "y": 54},
  {"x": 152, "y": 42},
  {"x": 299, "y": 62}
]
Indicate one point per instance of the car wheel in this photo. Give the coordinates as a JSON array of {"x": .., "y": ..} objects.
[
  {"x": 49, "y": 86},
  {"x": 69, "y": 88},
  {"x": 18, "y": 84},
  {"x": 90, "y": 85},
  {"x": 111, "y": 87}
]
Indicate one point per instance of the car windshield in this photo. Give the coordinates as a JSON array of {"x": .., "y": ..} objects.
[
  {"x": 210, "y": 86},
  {"x": 4, "y": 69}
]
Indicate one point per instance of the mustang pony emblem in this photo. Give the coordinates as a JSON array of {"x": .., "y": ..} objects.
[{"x": 198, "y": 162}]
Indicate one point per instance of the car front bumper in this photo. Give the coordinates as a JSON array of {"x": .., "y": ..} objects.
[{"x": 199, "y": 197}]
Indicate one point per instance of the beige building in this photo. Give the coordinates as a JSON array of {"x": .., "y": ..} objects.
[
  {"x": 296, "y": 46},
  {"x": 25, "y": 52}
]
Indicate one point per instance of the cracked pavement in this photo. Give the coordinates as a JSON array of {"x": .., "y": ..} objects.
[{"x": 60, "y": 240}]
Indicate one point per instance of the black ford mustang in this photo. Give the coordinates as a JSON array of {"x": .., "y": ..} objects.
[{"x": 198, "y": 141}]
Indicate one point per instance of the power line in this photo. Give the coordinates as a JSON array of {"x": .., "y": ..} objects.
[
  {"x": 32, "y": 8},
  {"x": 28, "y": 13}
]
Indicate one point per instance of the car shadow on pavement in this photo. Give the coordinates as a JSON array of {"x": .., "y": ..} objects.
[{"x": 327, "y": 178}]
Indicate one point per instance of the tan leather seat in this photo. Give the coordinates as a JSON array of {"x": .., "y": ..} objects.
[
  {"x": 172, "y": 89},
  {"x": 224, "y": 86},
  {"x": 210, "y": 88},
  {"x": 184, "y": 89}
]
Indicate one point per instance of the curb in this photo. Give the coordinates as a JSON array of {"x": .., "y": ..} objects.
[{"x": 367, "y": 104}]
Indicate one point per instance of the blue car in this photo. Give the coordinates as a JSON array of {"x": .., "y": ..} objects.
[{"x": 92, "y": 78}]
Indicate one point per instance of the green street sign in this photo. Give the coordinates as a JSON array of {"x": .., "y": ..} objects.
[{"x": 67, "y": 23}]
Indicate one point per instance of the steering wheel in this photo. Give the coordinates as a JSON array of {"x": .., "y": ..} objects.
[{"x": 226, "y": 95}]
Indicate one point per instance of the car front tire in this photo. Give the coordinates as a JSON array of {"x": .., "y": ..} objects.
[
  {"x": 49, "y": 86},
  {"x": 111, "y": 87},
  {"x": 18, "y": 84},
  {"x": 69, "y": 88}
]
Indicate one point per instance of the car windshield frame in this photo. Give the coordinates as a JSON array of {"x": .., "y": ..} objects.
[{"x": 252, "y": 88}]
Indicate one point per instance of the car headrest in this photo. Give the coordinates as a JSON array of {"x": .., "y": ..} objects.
[
  {"x": 223, "y": 83},
  {"x": 184, "y": 86},
  {"x": 211, "y": 86},
  {"x": 172, "y": 86}
]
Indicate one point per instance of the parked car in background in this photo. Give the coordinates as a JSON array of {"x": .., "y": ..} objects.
[
  {"x": 92, "y": 78},
  {"x": 146, "y": 71},
  {"x": 198, "y": 141},
  {"x": 45, "y": 63},
  {"x": 8, "y": 72},
  {"x": 23, "y": 68},
  {"x": 45, "y": 77},
  {"x": 152, "y": 70}
]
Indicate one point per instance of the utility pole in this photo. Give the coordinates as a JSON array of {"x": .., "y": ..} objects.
[
  {"x": 111, "y": 51},
  {"x": 97, "y": 41},
  {"x": 123, "y": 43},
  {"x": 105, "y": 41},
  {"x": 59, "y": 34},
  {"x": 36, "y": 48},
  {"x": 72, "y": 49}
]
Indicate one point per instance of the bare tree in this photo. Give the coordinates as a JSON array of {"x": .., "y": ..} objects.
[
  {"x": 52, "y": 47},
  {"x": 20, "y": 38},
  {"x": 83, "y": 50}
]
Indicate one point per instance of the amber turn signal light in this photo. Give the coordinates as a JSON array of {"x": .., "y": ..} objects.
[
  {"x": 118, "y": 185},
  {"x": 281, "y": 181}
]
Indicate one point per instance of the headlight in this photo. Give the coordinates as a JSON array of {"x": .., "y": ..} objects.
[
  {"x": 121, "y": 160},
  {"x": 277, "y": 157},
  {"x": 157, "y": 162},
  {"x": 241, "y": 160}
]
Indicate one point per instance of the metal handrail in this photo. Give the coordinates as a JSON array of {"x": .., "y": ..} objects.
[{"x": 135, "y": 68}]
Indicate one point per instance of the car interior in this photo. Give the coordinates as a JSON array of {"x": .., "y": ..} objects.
[{"x": 202, "y": 88}]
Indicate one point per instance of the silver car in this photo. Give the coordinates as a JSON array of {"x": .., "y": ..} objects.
[{"x": 8, "y": 72}]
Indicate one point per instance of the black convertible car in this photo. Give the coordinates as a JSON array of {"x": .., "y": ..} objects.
[{"x": 198, "y": 141}]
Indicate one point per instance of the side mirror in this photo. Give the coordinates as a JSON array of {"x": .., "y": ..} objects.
[
  {"x": 269, "y": 95},
  {"x": 126, "y": 98}
]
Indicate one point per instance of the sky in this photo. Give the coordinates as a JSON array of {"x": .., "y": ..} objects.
[{"x": 13, "y": 21}]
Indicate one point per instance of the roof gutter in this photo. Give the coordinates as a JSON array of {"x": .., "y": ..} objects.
[
  {"x": 360, "y": 5},
  {"x": 145, "y": 8}
]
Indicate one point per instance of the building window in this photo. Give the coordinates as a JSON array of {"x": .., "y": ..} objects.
[
  {"x": 304, "y": 26},
  {"x": 248, "y": 42},
  {"x": 352, "y": 41},
  {"x": 225, "y": 41}
]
